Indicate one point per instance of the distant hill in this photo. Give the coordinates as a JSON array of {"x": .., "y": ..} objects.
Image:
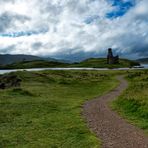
[
  {"x": 144, "y": 60},
  {"x": 89, "y": 63},
  {"x": 6, "y": 59},
  {"x": 9, "y": 59},
  {"x": 57, "y": 60}
]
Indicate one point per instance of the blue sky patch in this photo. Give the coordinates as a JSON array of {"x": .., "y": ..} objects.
[
  {"x": 121, "y": 8},
  {"x": 23, "y": 33}
]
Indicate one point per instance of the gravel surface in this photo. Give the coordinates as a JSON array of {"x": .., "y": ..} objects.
[{"x": 113, "y": 130}]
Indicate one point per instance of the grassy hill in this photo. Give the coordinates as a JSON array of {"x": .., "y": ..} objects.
[
  {"x": 34, "y": 64},
  {"x": 6, "y": 59},
  {"x": 89, "y": 63},
  {"x": 9, "y": 59},
  {"x": 101, "y": 63}
]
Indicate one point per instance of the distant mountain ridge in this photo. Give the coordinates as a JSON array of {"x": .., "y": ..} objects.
[
  {"x": 143, "y": 60},
  {"x": 6, "y": 59}
]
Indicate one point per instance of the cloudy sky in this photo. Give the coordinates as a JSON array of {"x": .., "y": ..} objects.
[{"x": 74, "y": 28}]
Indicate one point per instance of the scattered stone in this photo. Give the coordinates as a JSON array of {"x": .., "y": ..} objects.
[
  {"x": 2, "y": 85},
  {"x": 8, "y": 81}
]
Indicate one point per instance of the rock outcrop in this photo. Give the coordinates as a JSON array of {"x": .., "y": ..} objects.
[{"x": 8, "y": 81}]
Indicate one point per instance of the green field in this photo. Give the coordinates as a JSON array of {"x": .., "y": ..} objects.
[
  {"x": 34, "y": 64},
  {"x": 133, "y": 103},
  {"x": 90, "y": 63},
  {"x": 102, "y": 63},
  {"x": 46, "y": 111}
]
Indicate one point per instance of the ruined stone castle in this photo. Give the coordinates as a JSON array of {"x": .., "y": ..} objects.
[{"x": 112, "y": 59}]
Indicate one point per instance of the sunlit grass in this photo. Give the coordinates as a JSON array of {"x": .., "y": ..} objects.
[
  {"x": 46, "y": 111},
  {"x": 133, "y": 103}
]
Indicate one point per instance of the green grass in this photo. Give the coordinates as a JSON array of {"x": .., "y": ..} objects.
[
  {"x": 46, "y": 111},
  {"x": 90, "y": 63},
  {"x": 34, "y": 64},
  {"x": 102, "y": 63},
  {"x": 133, "y": 103}
]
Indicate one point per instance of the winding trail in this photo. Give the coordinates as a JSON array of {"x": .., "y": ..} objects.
[{"x": 113, "y": 130}]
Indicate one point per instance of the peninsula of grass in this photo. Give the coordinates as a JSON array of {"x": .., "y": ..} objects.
[
  {"x": 46, "y": 111},
  {"x": 89, "y": 63},
  {"x": 133, "y": 103},
  {"x": 102, "y": 63}
]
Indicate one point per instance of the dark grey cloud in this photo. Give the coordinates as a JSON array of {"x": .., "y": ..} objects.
[
  {"x": 5, "y": 20},
  {"x": 8, "y": 49},
  {"x": 37, "y": 45},
  {"x": 75, "y": 57},
  {"x": 8, "y": 19}
]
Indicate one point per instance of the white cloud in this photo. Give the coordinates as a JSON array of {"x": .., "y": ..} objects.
[{"x": 67, "y": 30}]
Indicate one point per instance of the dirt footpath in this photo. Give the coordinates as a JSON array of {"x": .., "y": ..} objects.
[{"x": 112, "y": 129}]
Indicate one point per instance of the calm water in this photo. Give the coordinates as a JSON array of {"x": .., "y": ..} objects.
[
  {"x": 41, "y": 69},
  {"x": 145, "y": 66}
]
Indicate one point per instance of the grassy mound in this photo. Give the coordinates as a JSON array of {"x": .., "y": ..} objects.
[{"x": 102, "y": 63}]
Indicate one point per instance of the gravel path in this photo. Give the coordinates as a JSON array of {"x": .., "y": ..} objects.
[{"x": 113, "y": 130}]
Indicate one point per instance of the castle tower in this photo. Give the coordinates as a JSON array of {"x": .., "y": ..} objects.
[
  {"x": 110, "y": 56},
  {"x": 111, "y": 59}
]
